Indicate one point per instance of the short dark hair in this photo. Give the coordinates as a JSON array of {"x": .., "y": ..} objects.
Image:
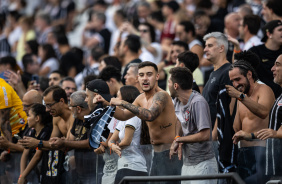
[
  {"x": 97, "y": 53},
  {"x": 26, "y": 60},
  {"x": 133, "y": 43},
  {"x": 188, "y": 26},
  {"x": 121, "y": 13},
  {"x": 129, "y": 93},
  {"x": 249, "y": 57},
  {"x": 110, "y": 72},
  {"x": 67, "y": 79},
  {"x": 40, "y": 110},
  {"x": 62, "y": 39},
  {"x": 253, "y": 23},
  {"x": 189, "y": 59},
  {"x": 112, "y": 61},
  {"x": 181, "y": 44},
  {"x": 58, "y": 93},
  {"x": 182, "y": 76},
  {"x": 33, "y": 45},
  {"x": 148, "y": 63},
  {"x": 58, "y": 72},
  {"x": 151, "y": 29},
  {"x": 10, "y": 60},
  {"x": 244, "y": 67},
  {"x": 275, "y": 5}
]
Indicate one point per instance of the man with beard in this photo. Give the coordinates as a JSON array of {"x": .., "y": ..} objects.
[
  {"x": 156, "y": 108},
  {"x": 194, "y": 129},
  {"x": 253, "y": 107}
]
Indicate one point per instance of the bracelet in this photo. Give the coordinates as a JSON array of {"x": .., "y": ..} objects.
[
  {"x": 253, "y": 136},
  {"x": 176, "y": 137},
  {"x": 236, "y": 51},
  {"x": 8, "y": 150}
]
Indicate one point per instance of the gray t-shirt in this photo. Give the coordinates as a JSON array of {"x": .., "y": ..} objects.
[{"x": 194, "y": 117}]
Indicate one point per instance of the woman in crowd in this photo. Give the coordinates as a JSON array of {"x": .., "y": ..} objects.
[
  {"x": 126, "y": 140},
  {"x": 49, "y": 62},
  {"x": 41, "y": 122}
]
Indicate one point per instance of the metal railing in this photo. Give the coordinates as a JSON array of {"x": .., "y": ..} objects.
[{"x": 233, "y": 176}]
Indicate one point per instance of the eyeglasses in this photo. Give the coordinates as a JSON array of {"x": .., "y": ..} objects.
[
  {"x": 50, "y": 105},
  {"x": 143, "y": 30}
]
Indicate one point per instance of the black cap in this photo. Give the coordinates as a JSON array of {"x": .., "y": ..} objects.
[
  {"x": 173, "y": 5},
  {"x": 101, "y": 87},
  {"x": 269, "y": 27}
]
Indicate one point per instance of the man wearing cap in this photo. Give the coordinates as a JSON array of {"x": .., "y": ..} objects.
[
  {"x": 268, "y": 52},
  {"x": 100, "y": 116}
]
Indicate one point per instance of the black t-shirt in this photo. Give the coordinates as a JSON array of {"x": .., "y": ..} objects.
[
  {"x": 273, "y": 146},
  {"x": 210, "y": 92},
  {"x": 44, "y": 135},
  {"x": 79, "y": 131},
  {"x": 267, "y": 60},
  {"x": 106, "y": 34},
  {"x": 69, "y": 60},
  {"x": 26, "y": 77},
  {"x": 83, "y": 156}
]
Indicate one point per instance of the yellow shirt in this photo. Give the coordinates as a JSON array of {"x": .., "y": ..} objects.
[
  {"x": 10, "y": 99},
  {"x": 30, "y": 35}
]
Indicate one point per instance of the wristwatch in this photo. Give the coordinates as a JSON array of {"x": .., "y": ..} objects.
[
  {"x": 241, "y": 97},
  {"x": 40, "y": 145}
]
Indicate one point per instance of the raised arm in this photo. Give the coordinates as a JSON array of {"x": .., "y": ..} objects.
[
  {"x": 262, "y": 107},
  {"x": 158, "y": 105}
]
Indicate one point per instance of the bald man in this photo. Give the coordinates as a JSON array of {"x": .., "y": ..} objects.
[
  {"x": 232, "y": 24},
  {"x": 31, "y": 97}
]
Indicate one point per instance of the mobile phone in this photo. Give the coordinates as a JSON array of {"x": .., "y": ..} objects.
[
  {"x": 35, "y": 78},
  {"x": 17, "y": 137}
]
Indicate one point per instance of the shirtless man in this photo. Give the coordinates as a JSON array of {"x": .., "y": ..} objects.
[
  {"x": 55, "y": 99},
  {"x": 156, "y": 108},
  {"x": 254, "y": 105}
]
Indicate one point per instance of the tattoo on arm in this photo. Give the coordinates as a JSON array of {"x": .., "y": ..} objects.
[
  {"x": 5, "y": 123},
  {"x": 165, "y": 126},
  {"x": 158, "y": 104}
]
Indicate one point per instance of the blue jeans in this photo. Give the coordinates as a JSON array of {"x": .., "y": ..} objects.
[{"x": 251, "y": 164}]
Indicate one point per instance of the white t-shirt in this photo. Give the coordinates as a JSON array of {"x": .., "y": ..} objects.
[
  {"x": 131, "y": 156},
  {"x": 159, "y": 55},
  {"x": 253, "y": 41},
  {"x": 52, "y": 63},
  {"x": 146, "y": 55}
]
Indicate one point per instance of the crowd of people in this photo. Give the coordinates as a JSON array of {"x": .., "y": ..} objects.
[{"x": 155, "y": 87}]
